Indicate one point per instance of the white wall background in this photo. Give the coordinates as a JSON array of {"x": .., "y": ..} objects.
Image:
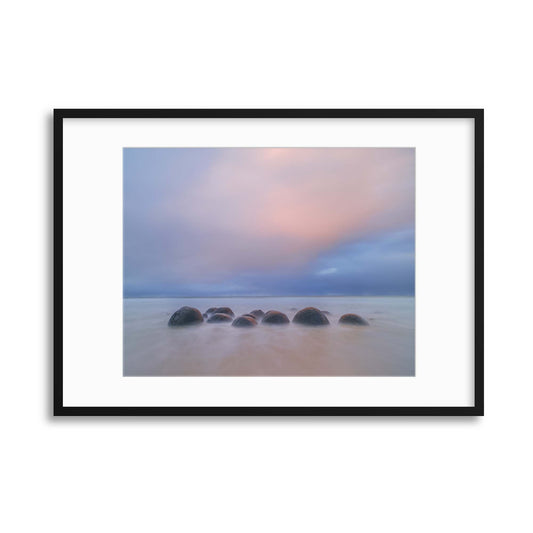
[{"x": 369, "y": 475}]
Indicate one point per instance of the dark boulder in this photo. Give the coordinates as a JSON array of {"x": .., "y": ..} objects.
[
  {"x": 250, "y": 315},
  {"x": 353, "y": 319},
  {"x": 224, "y": 310},
  {"x": 210, "y": 310},
  {"x": 244, "y": 322},
  {"x": 219, "y": 317},
  {"x": 186, "y": 316},
  {"x": 310, "y": 316},
  {"x": 275, "y": 317},
  {"x": 257, "y": 313}
]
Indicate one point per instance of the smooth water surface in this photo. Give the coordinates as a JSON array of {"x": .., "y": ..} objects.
[{"x": 384, "y": 348}]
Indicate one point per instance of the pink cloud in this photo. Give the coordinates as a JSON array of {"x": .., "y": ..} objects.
[{"x": 263, "y": 208}]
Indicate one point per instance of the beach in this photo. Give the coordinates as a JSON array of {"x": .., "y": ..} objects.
[{"x": 386, "y": 347}]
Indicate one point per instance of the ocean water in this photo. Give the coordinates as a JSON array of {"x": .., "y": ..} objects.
[{"x": 384, "y": 348}]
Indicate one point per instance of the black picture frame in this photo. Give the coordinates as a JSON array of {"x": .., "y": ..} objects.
[{"x": 59, "y": 409}]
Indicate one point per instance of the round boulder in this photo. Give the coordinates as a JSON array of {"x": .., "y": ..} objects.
[
  {"x": 244, "y": 322},
  {"x": 352, "y": 319},
  {"x": 210, "y": 310},
  {"x": 275, "y": 317},
  {"x": 186, "y": 316},
  {"x": 257, "y": 313},
  {"x": 219, "y": 317},
  {"x": 310, "y": 316}
]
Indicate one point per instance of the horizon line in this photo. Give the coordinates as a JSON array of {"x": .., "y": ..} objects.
[{"x": 279, "y": 296}]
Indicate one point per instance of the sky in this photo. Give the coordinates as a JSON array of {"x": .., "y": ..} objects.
[{"x": 269, "y": 221}]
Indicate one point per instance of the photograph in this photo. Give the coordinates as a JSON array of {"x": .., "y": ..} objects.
[
  {"x": 266, "y": 261},
  {"x": 269, "y": 262}
]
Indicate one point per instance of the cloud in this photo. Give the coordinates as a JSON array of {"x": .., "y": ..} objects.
[
  {"x": 213, "y": 214},
  {"x": 327, "y": 271}
]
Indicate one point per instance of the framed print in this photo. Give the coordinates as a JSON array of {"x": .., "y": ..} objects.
[{"x": 268, "y": 262}]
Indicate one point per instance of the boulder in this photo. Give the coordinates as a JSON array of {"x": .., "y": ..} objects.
[
  {"x": 275, "y": 317},
  {"x": 225, "y": 310},
  {"x": 210, "y": 310},
  {"x": 257, "y": 313},
  {"x": 244, "y": 322},
  {"x": 250, "y": 315},
  {"x": 310, "y": 316},
  {"x": 352, "y": 319},
  {"x": 219, "y": 317},
  {"x": 186, "y": 316}
]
